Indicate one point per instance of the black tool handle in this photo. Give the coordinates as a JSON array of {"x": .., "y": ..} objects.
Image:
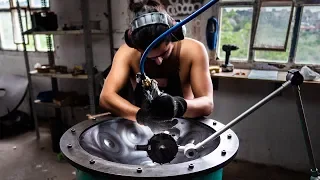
[{"x": 228, "y": 53}]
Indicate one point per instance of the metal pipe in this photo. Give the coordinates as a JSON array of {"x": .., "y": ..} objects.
[
  {"x": 243, "y": 115},
  {"x": 88, "y": 54},
  {"x": 26, "y": 60},
  {"x": 169, "y": 31},
  {"x": 305, "y": 131},
  {"x": 110, "y": 29}
]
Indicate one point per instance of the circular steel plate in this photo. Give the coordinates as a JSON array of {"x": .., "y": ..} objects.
[{"x": 105, "y": 146}]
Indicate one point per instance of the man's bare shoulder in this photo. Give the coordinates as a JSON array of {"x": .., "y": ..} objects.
[
  {"x": 126, "y": 54},
  {"x": 191, "y": 41},
  {"x": 191, "y": 49}
]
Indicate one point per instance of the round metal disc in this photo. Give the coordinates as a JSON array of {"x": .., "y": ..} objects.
[
  {"x": 13, "y": 89},
  {"x": 106, "y": 147}
]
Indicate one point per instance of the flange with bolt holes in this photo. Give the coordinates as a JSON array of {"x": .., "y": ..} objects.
[
  {"x": 223, "y": 153},
  {"x": 139, "y": 170}
]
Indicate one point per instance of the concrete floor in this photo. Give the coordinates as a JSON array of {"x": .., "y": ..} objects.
[{"x": 24, "y": 158}]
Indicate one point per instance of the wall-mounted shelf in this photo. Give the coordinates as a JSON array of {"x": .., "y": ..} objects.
[
  {"x": 86, "y": 32},
  {"x": 59, "y": 76},
  {"x": 60, "y": 32},
  {"x": 47, "y": 104},
  {"x": 244, "y": 74},
  {"x": 54, "y": 105}
]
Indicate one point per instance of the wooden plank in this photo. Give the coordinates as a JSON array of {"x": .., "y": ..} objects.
[
  {"x": 69, "y": 32},
  {"x": 59, "y": 76},
  {"x": 237, "y": 73},
  {"x": 46, "y": 104}
]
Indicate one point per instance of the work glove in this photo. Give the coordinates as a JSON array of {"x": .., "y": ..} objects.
[{"x": 159, "y": 114}]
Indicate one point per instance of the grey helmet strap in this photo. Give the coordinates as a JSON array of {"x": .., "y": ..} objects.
[
  {"x": 150, "y": 18},
  {"x": 153, "y": 18}
]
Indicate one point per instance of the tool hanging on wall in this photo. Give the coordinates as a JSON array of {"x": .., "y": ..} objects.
[{"x": 212, "y": 33}]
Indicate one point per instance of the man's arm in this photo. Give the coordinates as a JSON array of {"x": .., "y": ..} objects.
[
  {"x": 118, "y": 76},
  {"x": 200, "y": 80}
]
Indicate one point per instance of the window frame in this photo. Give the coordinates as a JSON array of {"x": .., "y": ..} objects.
[
  {"x": 29, "y": 11},
  {"x": 274, "y": 4},
  {"x": 250, "y": 62},
  {"x": 237, "y": 5}
]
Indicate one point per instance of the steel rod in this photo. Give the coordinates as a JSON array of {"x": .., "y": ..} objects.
[
  {"x": 88, "y": 54},
  {"x": 243, "y": 115},
  {"x": 26, "y": 60},
  {"x": 305, "y": 131},
  {"x": 110, "y": 21}
]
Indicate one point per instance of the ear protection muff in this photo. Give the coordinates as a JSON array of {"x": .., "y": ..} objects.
[
  {"x": 180, "y": 33},
  {"x": 154, "y": 18},
  {"x": 127, "y": 38}
]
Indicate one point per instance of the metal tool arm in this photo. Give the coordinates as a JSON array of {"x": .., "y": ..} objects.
[
  {"x": 294, "y": 78},
  {"x": 314, "y": 171}
]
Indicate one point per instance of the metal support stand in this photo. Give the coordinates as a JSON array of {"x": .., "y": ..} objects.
[
  {"x": 26, "y": 58},
  {"x": 314, "y": 171},
  {"x": 294, "y": 78}
]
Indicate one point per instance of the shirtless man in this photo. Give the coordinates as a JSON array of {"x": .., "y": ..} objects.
[{"x": 181, "y": 68}]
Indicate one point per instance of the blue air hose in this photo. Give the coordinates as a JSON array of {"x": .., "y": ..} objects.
[{"x": 169, "y": 31}]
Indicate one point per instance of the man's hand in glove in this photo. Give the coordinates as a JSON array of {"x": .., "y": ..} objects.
[{"x": 159, "y": 114}]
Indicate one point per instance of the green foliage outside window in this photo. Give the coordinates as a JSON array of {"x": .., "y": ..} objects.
[{"x": 236, "y": 29}]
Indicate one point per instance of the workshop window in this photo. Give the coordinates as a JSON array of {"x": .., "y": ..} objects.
[
  {"x": 4, "y": 4},
  {"x": 33, "y": 3},
  {"x": 6, "y": 32},
  {"x": 272, "y": 31},
  {"x": 308, "y": 50},
  {"x": 273, "y": 28},
  {"x": 235, "y": 29},
  {"x": 10, "y": 31}
]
